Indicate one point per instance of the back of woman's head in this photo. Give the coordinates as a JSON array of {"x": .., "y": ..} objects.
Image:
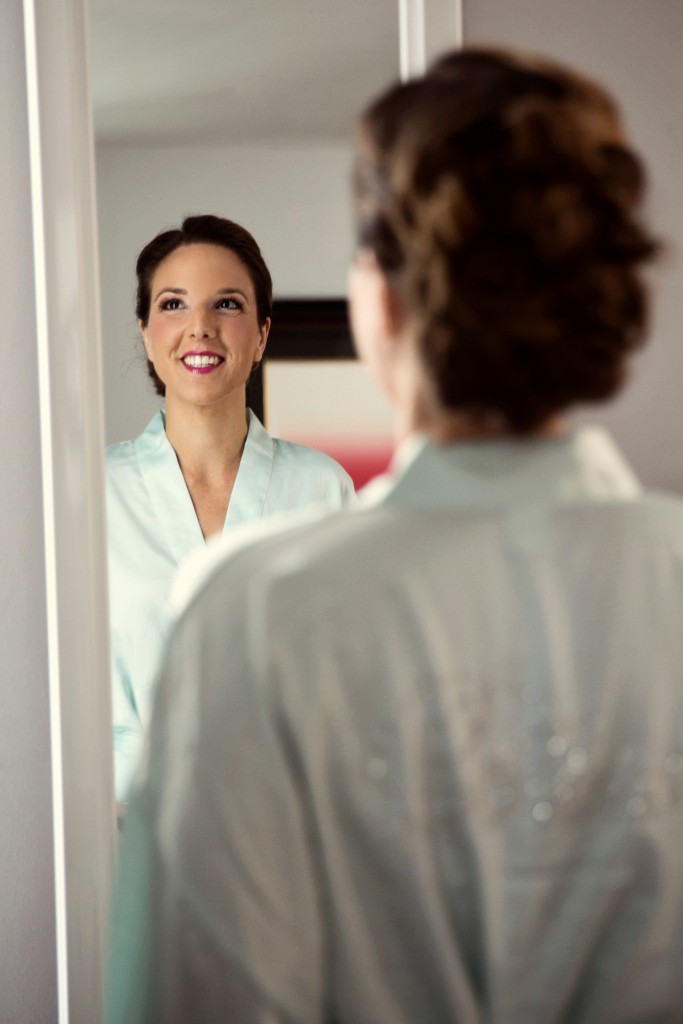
[{"x": 500, "y": 197}]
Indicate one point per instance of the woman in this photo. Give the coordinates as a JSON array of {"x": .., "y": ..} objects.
[
  {"x": 204, "y": 464},
  {"x": 460, "y": 797}
]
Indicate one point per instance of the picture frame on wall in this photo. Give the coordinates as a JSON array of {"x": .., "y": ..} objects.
[{"x": 312, "y": 389}]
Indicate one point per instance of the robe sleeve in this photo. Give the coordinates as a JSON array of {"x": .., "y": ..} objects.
[{"x": 127, "y": 728}]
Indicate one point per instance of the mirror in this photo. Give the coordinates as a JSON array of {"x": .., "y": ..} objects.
[{"x": 243, "y": 108}]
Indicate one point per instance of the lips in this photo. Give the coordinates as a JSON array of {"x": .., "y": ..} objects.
[{"x": 201, "y": 362}]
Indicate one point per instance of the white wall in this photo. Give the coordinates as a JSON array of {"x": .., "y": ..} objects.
[
  {"x": 28, "y": 992},
  {"x": 293, "y": 200},
  {"x": 636, "y": 48}
]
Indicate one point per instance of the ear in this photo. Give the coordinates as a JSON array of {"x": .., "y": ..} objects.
[
  {"x": 145, "y": 340},
  {"x": 264, "y": 331}
]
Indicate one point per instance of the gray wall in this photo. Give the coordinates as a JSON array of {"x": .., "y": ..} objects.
[
  {"x": 636, "y": 48},
  {"x": 27, "y": 949}
]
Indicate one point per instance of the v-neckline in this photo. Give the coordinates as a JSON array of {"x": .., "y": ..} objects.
[{"x": 169, "y": 494}]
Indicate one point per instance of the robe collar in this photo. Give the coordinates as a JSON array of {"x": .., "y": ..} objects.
[
  {"x": 583, "y": 465},
  {"x": 171, "y": 499}
]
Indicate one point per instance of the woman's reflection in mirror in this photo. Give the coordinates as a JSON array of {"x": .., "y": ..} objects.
[{"x": 205, "y": 464}]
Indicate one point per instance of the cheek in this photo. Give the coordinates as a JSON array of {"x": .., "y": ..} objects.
[
  {"x": 362, "y": 327},
  {"x": 249, "y": 338},
  {"x": 159, "y": 337},
  {"x": 362, "y": 311}
]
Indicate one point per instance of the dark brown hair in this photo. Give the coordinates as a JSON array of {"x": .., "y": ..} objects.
[
  {"x": 500, "y": 197},
  {"x": 204, "y": 230}
]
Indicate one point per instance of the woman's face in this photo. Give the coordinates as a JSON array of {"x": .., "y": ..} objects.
[{"x": 202, "y": 334}]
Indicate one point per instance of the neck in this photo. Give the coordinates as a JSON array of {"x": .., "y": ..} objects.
[
  {"x": 208, "y": 440},
  {"x": 423, "y": 415},
  {"x": 456, "y": 428}
]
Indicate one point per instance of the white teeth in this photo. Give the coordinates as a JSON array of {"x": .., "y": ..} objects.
[{"x": 199, "y": 361}]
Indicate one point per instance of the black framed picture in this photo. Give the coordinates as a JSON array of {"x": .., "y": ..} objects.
[
  {"x": 312, "y": 389},
  {"x": 303, "y": 329}
]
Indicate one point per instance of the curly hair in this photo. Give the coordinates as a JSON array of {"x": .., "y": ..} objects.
[
  {"x": 499, "y": 195},
  {"x": 206, "y": 229}
]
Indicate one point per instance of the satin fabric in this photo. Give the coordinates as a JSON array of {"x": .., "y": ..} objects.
[
  {"x": 152, "y": 528},
  {"x": 422, "y": 762}
]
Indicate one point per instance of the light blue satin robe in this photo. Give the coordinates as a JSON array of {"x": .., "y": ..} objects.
[
  {"x": 458, "y": 798},
  {"x": 152, "y": 527}
]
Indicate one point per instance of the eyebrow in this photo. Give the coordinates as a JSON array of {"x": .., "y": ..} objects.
[
  {"x": 173, "y": 291},
  {"x": 183, "y": 291}
]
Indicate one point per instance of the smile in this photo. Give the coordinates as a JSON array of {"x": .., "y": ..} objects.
[{"x": 201, "y": 362}]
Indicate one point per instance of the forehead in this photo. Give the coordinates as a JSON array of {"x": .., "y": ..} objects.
[{"x": 202, "y": 266}]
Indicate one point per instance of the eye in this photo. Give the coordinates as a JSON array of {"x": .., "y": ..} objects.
[
  {"x": 171, "y": 303},
  {"x": 228, "y": 303}
]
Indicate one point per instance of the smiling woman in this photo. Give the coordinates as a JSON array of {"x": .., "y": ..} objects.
[
  {"x": 204, "y": 464},
  {"x": 208, "y": 329},
  {"x": 205, "y": 333}
]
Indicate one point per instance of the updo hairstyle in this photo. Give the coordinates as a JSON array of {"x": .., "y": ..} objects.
[
  {"x": 202, "y": 230},
  {"x": 500, "y": 198}
]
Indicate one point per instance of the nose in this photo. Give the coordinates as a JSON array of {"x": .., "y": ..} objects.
[{"x": 202, "y": 324}]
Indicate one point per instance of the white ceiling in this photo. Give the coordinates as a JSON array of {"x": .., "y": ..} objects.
[{"x": 167, "y": 72}]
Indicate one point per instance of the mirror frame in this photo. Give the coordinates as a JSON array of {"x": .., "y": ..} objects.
[
  {"x": 72, "y": 439},
  {"x": 72, "y": 452}
]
